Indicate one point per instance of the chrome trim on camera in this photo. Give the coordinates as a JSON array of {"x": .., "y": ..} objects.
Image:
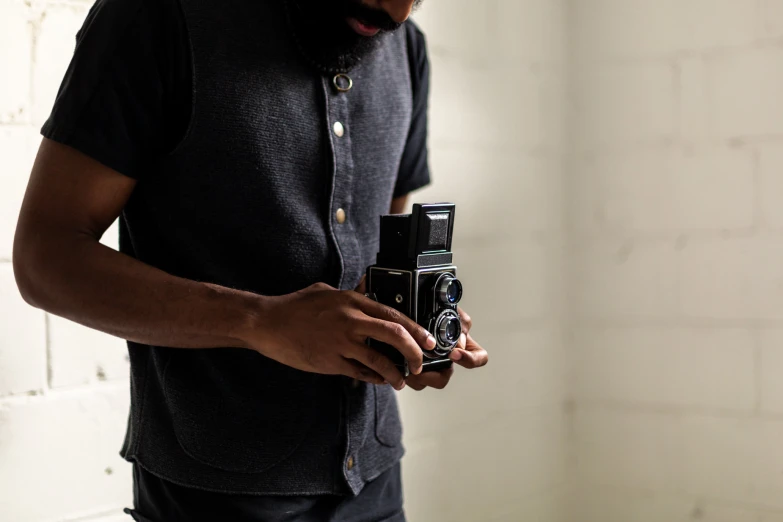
[{"x": 442, "y": 289}]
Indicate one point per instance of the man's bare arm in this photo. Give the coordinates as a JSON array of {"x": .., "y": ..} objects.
[
  {"x": 61, "y": 267},
  {"x": 398, "y": 205}
]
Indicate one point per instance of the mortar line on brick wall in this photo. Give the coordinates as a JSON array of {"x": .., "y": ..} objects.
[
  {"x": 478, "y": 61},
  {"x": 677, "y": 94},
  {"x": 652, "y": 323},
  {"x": 499, "y": 417},
  {"x": 709, "y": 94},
  {"x": 697, "y": 498},
  {"x": 37, "y": 15},
  {"x": 757, "y": 365},
  {"x": 749, "y": 140},
  {"x": 94, "y": 516},
  {"x": 678, "y": 411},
  {"x": 589, "y": 236},
  {"x": 492, "y": 11},
  {"x": 540, "y": 236},
  {"x": 628, "y": 148},
  {"x": 758, "y": 205},
  {"x": 48, "y": 343},
  {"x": 554, "y": 488},
  {"x": 521, "y": 324},
  {"x": 647, "y": 59},
  {"x": 16, "y": 124},
  {"x": 22, "y": 394},
  {"x": 530, "y": 150},
  {"x": 66, "y": 392}
]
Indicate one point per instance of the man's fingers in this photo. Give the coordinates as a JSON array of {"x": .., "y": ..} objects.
[
  {"x": 380, "y": 364},
  {"x": 360, "y": 372},
  {"x": 395, "y": 335},
  {"x": 437, "y": 380},
  {"x": 416, "y": 386},
  {"x": 469, "y": 359},
  {"x": 420, "y": 335},
  {"x": 467, "y": 322},
  {"x": 473, "y": 356}
]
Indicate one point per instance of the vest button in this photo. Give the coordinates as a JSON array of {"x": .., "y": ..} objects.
[
  {"x": 349, "y": 464},
  {"x": 340, "y": 216},
  {"x": 339, "y": 130}
]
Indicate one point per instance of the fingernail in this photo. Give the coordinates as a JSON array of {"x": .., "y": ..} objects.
[
  {"x": 430, "y": 341},
  {"x": 401, "y": 386},
  {"x": 455, "y": 355}
]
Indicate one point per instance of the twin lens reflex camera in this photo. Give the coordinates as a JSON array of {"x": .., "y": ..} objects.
[{"x": 414, "y": 274}]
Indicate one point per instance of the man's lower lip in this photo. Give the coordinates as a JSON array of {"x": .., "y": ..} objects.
[{"x": 362, "y": 29}]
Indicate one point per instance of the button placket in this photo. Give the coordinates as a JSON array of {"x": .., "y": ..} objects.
[{"x": 338, "y": 114}]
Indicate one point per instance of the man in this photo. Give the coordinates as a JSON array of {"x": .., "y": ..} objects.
[{"x": 248, "y": 148}]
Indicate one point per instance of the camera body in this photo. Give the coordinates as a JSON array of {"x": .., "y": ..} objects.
[{"x": 414, "y": 274}]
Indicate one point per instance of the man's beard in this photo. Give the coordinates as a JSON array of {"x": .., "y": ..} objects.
[{"x": 327, "y": 41}]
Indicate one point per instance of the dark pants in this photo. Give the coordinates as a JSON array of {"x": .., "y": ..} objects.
[{"x": 157, "y": 500}]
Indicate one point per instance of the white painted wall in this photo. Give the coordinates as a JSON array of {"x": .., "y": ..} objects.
[
  {"x": 674, "y": 198},
  {"x": 63, "y": 388},
  {"x": 491, "y": 448}
]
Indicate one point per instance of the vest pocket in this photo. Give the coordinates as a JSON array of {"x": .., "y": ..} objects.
[
  {"x": 388, "y": 428},
  {"x": 236, "y": 410}
]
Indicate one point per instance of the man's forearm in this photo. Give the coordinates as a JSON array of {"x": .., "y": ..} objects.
[{"x": 103, "y": 289}]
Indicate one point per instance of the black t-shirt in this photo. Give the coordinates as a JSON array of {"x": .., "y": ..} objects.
[{"x": 126, "y": 97}]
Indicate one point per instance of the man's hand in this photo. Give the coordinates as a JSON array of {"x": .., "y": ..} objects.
[
  {"x": 467, "y": 354},
  {"x": 323, "y": 330}
]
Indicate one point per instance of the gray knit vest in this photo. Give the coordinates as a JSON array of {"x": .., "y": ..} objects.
[{"x": 248, "y": 201}]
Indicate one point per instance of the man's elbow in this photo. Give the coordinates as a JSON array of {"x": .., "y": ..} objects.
[{"x": 28, "y": 262}]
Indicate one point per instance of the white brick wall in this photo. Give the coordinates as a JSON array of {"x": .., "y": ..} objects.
[
  {"x": 771, "y": 185},
  {"x": 492, "y": 447},
  {"x": 56, "y": 24},
  {"x": 15, "y": 59},
  {"x": 60, "y": 454},
  {"x": 61, "y": 425},
  {"x": 693, "y": 188},
  {"x": 22, "y": 340},
  {"x": 625, "y": 104},
  {"x": 706, "y": 367},
  {"x": 623, "y": 505},
  {"x": 18, "y": 144},
  {"x": 675, "y": 276}
]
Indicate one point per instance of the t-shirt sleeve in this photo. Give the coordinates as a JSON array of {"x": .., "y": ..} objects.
[
  {"x": 112, "y": 104},
  {"x": 414, "y": 168}
]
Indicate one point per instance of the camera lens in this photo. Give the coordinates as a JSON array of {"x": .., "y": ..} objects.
[
  {"x": 449, "y": 289},
  {"x": 453, "y": 330},
  {"x": 449, "y": 330}
]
